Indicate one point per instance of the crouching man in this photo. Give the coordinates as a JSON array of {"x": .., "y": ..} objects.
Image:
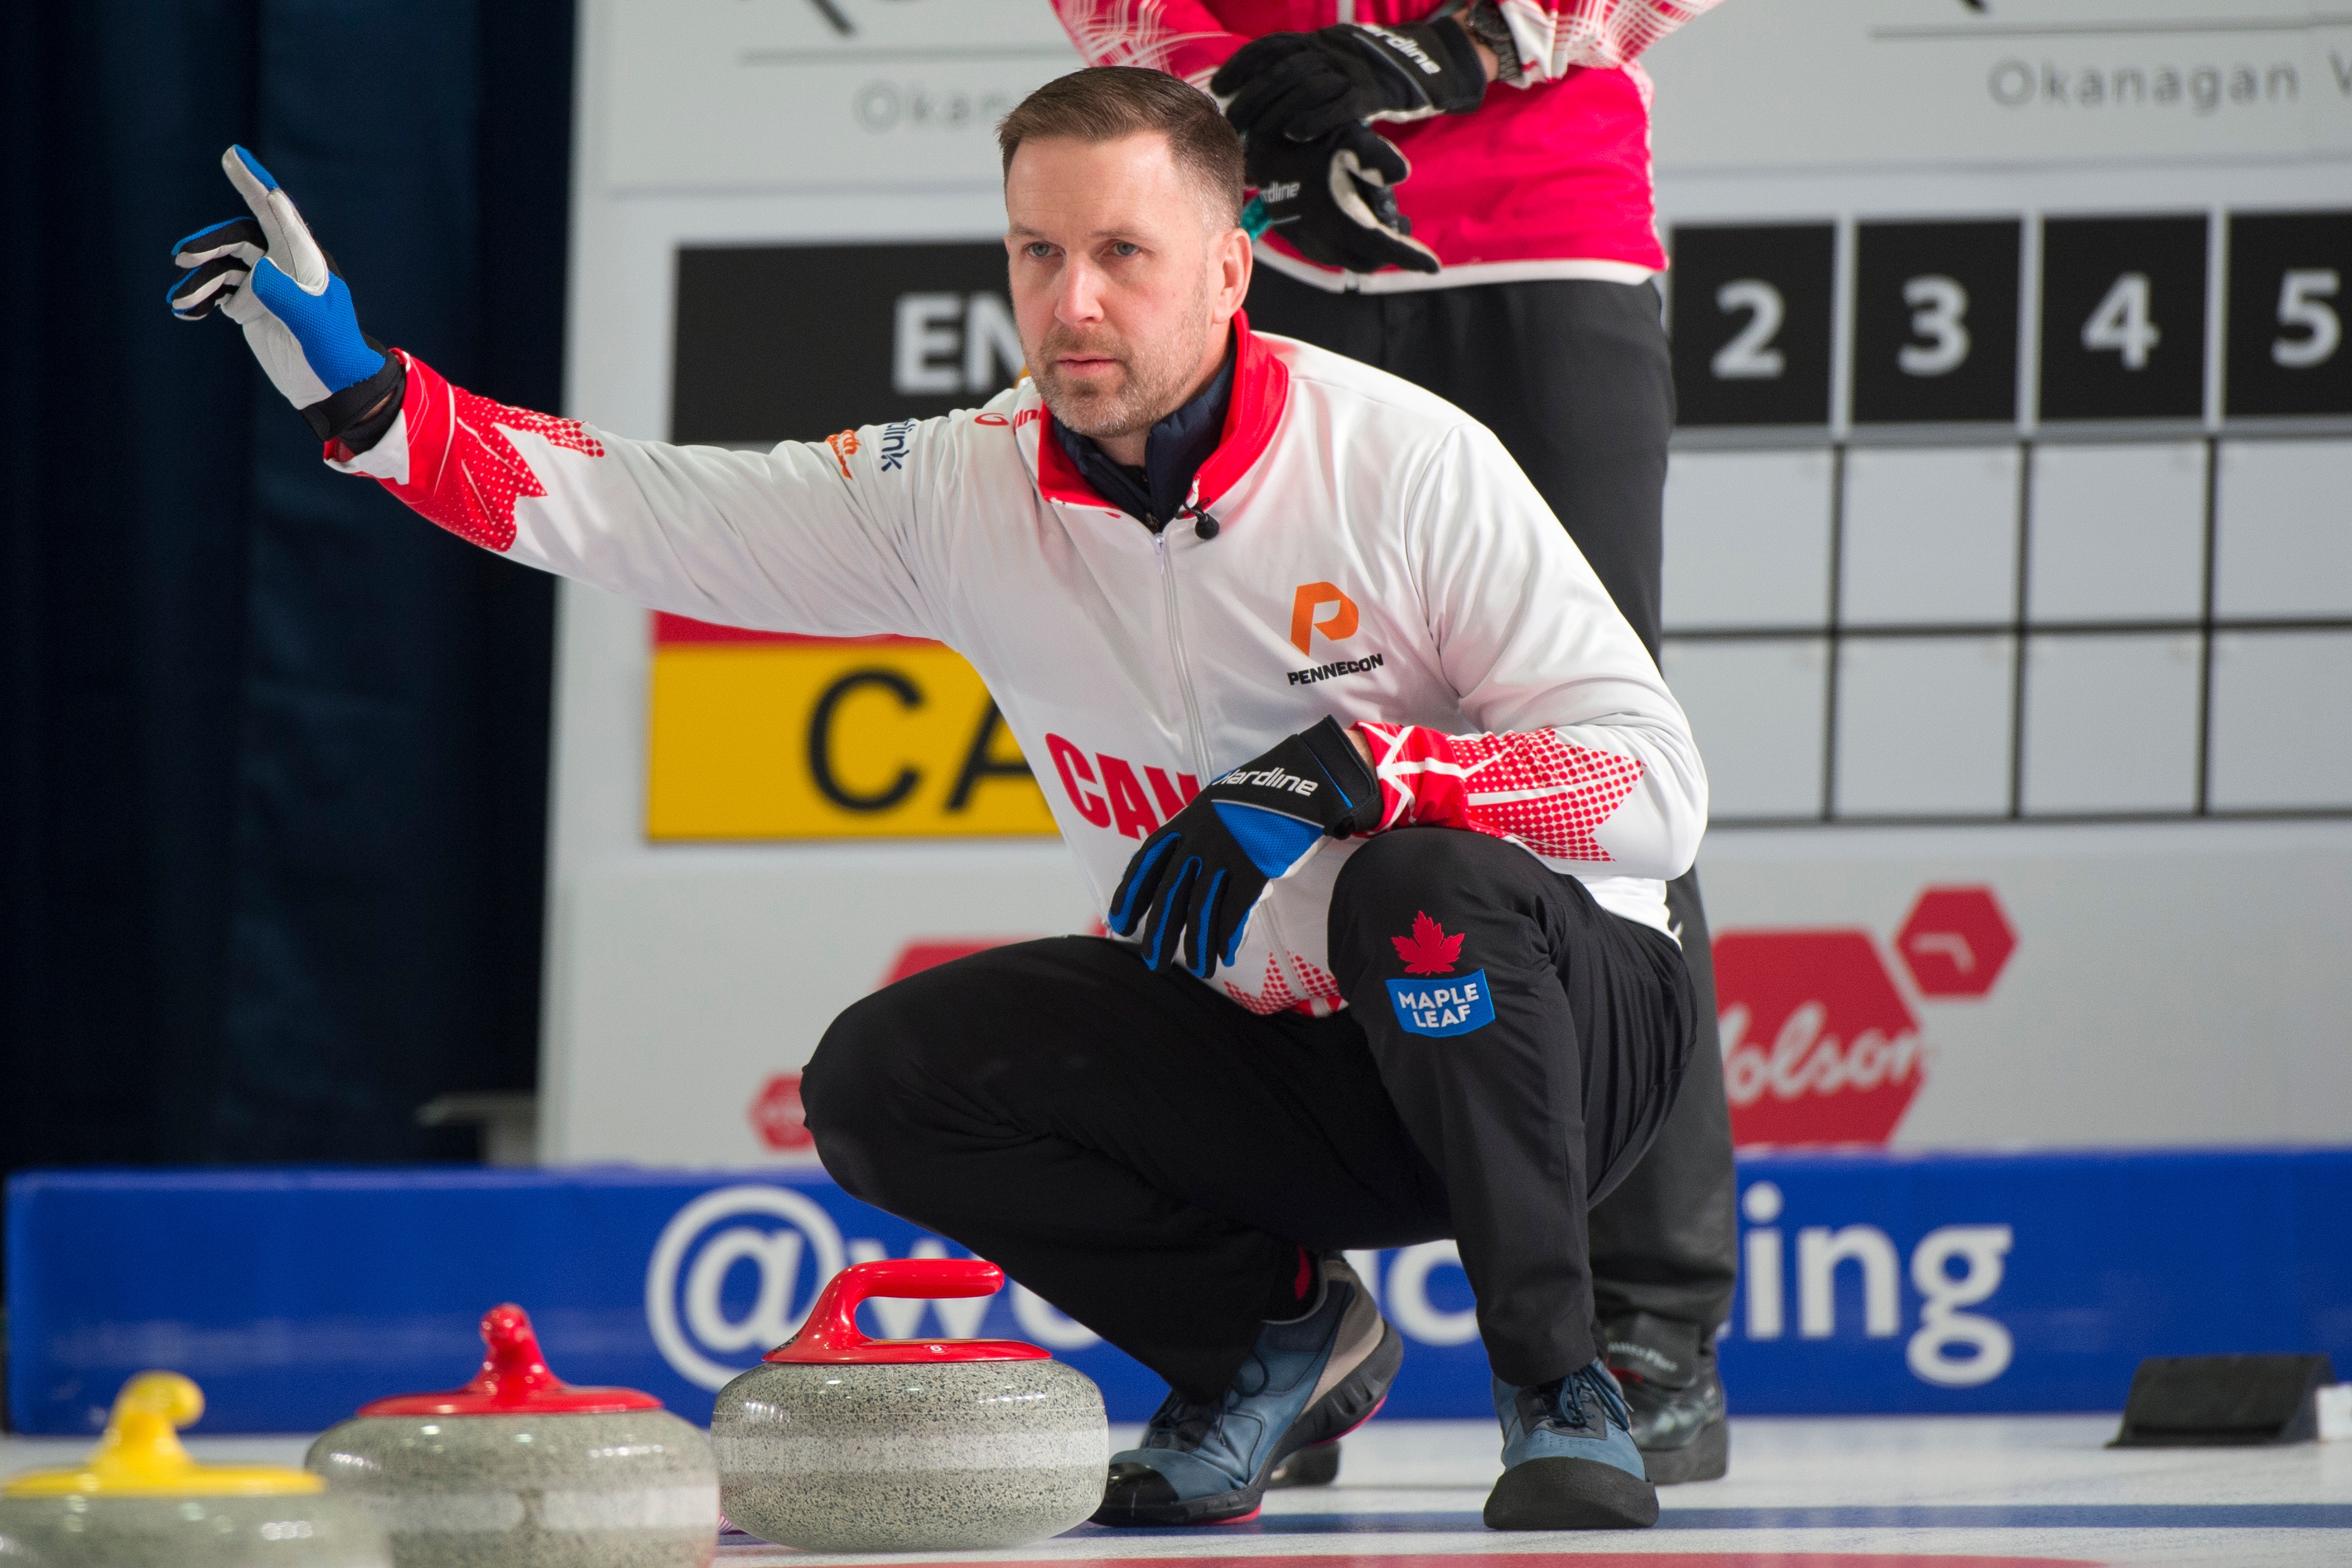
[{"x": 1398, "y": 965}]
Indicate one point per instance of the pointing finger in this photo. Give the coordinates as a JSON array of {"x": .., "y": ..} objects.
[{"x": 290, "y": 245}]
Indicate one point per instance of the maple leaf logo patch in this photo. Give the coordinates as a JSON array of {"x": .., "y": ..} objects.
[{"x": 1428, "y": 951}]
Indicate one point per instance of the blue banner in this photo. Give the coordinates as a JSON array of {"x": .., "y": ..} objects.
[{"x": 1871, "y": 1283}]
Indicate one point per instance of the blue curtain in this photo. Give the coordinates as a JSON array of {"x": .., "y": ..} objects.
[{"x": 273, "y": 760}]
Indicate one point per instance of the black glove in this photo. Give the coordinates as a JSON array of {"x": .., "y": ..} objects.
[
  {"x": 1306, "y": 85},
  {"x": 1333, "y": 200},
  {"x": 1199, "y": 876}
]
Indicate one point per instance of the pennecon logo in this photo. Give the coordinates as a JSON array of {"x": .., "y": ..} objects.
[{"x": 1336, "y": 626}]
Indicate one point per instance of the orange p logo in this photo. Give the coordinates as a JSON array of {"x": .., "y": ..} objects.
[{"x": 1340, "y": 623}]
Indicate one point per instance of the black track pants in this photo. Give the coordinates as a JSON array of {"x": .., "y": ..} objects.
[
  {"x": 1147, "y": 1155},
  {"x": 1573, "y": 375}
]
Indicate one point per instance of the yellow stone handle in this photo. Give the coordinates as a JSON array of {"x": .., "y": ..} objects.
[{"x": 141, "y": 1455}]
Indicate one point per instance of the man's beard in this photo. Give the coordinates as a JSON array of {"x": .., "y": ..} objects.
[{"x": 1156, "y": 377}]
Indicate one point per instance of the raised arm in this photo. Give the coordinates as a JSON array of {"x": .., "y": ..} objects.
[{"x": 789, "y": 539}]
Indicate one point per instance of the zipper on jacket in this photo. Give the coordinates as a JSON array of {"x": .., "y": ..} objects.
[{"x": 1176, "y": 650}]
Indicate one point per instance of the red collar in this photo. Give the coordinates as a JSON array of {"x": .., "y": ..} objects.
[{"x": 1261, "y": 388}]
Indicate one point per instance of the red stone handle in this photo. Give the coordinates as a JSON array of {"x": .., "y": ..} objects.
[
  {"x": 831, "y": 1331},
  {"x": 514, "y": 1380}
]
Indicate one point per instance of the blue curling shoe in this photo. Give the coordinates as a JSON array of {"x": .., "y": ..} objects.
[
  {"x": 1305, "y": 1382},
  {"x": 1569, "y": 1458}
]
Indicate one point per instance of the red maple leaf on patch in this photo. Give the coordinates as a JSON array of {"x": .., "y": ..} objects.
[{"x": 1428, "y": 951}]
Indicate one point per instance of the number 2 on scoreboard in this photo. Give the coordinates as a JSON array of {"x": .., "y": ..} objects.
[{"x": 1749, "y": 355}]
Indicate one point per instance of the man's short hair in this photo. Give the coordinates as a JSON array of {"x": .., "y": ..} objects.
[{"x": 1110, "y": 104}]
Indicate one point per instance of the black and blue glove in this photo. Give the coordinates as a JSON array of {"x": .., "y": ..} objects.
[
  {"x": 269, "y": 276},
  {"x": 1334, "y": 201},
  {"x": 1304, "y": 86},
  {"x": 1194, "y": 882}
]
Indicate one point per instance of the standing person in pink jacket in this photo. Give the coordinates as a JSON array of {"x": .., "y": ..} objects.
[{"x": 1461, "y": 194}]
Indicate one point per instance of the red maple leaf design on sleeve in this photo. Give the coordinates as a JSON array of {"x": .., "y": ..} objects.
[
  {"x": 463, "y": 473},
  {"x": 1428, "y": 951},
  {"x": 1528, "y": 787}
]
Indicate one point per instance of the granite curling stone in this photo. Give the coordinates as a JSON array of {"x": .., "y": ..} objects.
[
  {"x": 520, "y": 1469},
  {"x": 140, "y": 1501},
  {"x": 839, "y": 1443}
]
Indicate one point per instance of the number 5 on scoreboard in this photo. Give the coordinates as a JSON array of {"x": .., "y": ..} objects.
[
  {"x": 2302, "y": 302},
  {"x": 2286, "y": 354}
]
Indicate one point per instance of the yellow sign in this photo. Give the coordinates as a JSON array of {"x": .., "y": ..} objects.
[{"x": 756, "y": 736}]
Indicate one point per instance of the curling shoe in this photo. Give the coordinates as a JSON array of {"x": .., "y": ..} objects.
[
  {"x": 1668, "y": 1372},
  {"x": 1305, "y": 1382},
  {"x": 1569, "y": 1458}
]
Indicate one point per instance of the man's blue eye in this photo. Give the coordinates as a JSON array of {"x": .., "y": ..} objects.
[{"x": 1124, "y": 248}]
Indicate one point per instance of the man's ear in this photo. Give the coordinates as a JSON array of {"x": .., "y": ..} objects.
[{"x": 1236, "y": 258}]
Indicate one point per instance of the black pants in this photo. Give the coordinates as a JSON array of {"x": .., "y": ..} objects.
[
  {"x": 1148, "y": 1156},
  {"x": 1573, "y": 376}
]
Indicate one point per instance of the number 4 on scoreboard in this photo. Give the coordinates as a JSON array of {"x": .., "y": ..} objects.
[
  {"x": 2122, "y": 324},
  {"x": 2123, "y": 318}
]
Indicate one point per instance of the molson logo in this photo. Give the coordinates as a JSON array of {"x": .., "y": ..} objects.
[{"x": 1818, "y": 1044}]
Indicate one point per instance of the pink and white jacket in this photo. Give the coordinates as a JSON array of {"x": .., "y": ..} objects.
[
  {"x": 1381, "y": 559},
  {"x": 1549, "y": 178}
]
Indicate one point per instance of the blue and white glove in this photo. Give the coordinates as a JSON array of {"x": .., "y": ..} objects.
[
  {"x": 269, "y": 276},
  {"x": 1196, "y": 880}
]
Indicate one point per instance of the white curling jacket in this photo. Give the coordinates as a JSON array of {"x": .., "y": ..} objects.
[{"x": 1380, "y": 558}]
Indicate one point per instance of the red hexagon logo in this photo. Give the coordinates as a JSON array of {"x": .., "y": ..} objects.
[
  {"x": 1955, "y": 941},
  {"x": 776, "y": 1115},
  {"x": 1818, "y": 1044}
]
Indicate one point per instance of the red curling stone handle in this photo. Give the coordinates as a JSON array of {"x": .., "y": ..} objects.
[{"x": 831, "y": 1334}]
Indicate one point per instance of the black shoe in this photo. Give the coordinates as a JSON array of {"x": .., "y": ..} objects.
[
  {"x": 1305, "y": 1382},
  {"x": 1317, "y": 1465},
  {"x": 1668, "y": 1370}
]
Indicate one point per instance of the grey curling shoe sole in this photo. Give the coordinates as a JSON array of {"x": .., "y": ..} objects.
[
  {"x": 1561, "y": 1493},
  {"x": 1704, "y": 1458},
  {"x": 1315, "y": 1466}
]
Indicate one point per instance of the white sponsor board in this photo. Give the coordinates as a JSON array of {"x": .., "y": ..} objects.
[
  {"x": 1939, "y": 84},
  {"x": 2170, "y": 984},
  {"x": 2172, "y": 981}
]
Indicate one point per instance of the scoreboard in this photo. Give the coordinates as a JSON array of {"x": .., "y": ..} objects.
[
  {"x": 2114, "y": 328},
  {"x": 2038, "y": 515}
]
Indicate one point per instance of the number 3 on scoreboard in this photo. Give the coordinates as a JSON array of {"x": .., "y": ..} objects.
[
  {"x": 2122, "y": 324},
  {"x": 1939, "y": 309}
]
